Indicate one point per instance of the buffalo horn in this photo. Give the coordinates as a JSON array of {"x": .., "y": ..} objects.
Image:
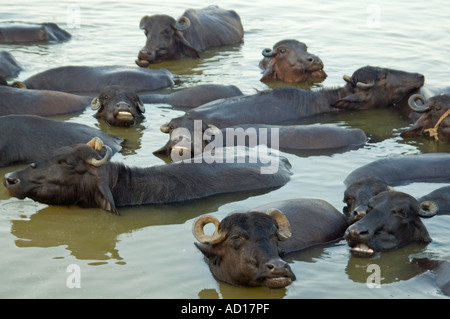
[
  {"x": 95, "y": 103},
  {"x": 183, "y": 23},
  {"x": 284, "y": 227},
  {"x": 98, "y": 145},
  {"x": 141, "y": 106},
  {"x": 19, "y": 85},
  {"x": 428, "y": 209},
  {"x": 165, "y": 128},
  {"x": 363, "y": 85},
  {"x": 268, "y": 53},
  {"x": 199, "y": 233},
  {"x": 416, "y": 107},
  {"x": 347, "y": 78}
]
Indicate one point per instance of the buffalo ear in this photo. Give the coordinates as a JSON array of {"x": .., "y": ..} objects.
[
  {"x": 186, "y": 48},
  {"x": 268, "y": 75},
  {"x": 105, "y": 200},
  {"x": 350, "y": 102},
  {"x": 206, "y": 250}
]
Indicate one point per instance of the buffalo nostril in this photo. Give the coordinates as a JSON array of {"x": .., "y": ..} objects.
[
  {"x": 276, "y": 265},
  {"x": 9, "y": 180}
]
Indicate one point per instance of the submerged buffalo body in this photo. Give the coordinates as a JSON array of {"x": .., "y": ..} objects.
[
  {"x": 440, "y": 269},
  {"x": 9, "y": 67},
  {"x": 382, "y": 175},
  {"x": 392, "y": 221},
  {"x": 290, "y": 61},
  {"x": 193, "y": 96},
  {"x": 91, "y": 79},
  {"x": 194, "y": 32},
  {"x": 22, "y": 32},
  {"x": 369, "y": 87},
  {"x": 299, "y": 139},
  {"x": 435, "y": 120},
  {"x": 78, "y": 175},
  {"x": 118, "y": 106},
  {"x": 246, "y": 248},
  {"x": 29, "y": 138},
  {"x": 40, "y": 102}
]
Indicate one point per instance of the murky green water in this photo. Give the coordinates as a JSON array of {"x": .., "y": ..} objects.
[{"x": 148, "y": 252}]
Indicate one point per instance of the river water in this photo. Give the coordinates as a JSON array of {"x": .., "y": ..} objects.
[{"x": 149, "y": 252}]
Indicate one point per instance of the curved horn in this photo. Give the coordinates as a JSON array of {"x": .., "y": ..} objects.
[
  {"x": 347, "y": 78},
  {"x": 183, "y": 23},
  {"x": 199, "y": 234},
  {"x": 363, "y": 85},
  {"x": 95, "y": 103},
  {"x": 284, "y": 227},
  {"x": 19, "y": 85},
  {"x": 268, "y": 53},
  {"x": 98, "y": 145},
  {"x": 141, "y": 106},
  {"x": 428, "y": 209},
  {"x": 165, "y": 128},
  {"x": 416, "y": 107}
]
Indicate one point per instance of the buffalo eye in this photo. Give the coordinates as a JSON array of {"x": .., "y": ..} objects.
[
  {"x": 437, "y": 107},
  {"x": 400, "y": 213},
  {"x": 282, "y": 50},
  {"x": 33, "y": 165},
  {"x": 167, "y": 33},
  {"x": 66, "y": 162}
]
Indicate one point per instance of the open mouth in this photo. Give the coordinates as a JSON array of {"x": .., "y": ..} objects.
[
  {"x": 142, "y": 63},
  {"x": 125, "y": 116},
  {"x": 362, "y": 250},
  {"x": 277, "y": 282}
]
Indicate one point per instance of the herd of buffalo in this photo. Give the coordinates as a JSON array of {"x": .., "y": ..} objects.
[{"x": 247, "y": 247}]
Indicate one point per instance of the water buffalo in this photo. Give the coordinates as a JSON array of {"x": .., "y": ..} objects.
[
  {"x": 93, "y": 79},
  {"x": 78, "y": 175},
  {"x": 30, "y": 138},
  {"x": 434, "y": 121},
  {"x": 392, "y": 221},
  {"x": 195, "y": 31},
  {"x": 40, "y": 102},
  {"x": 193, "y": 96},
  {"x": 381, "y": 175},
  {"x": 440, "y": 269},
  {"x": 246, "y": 247},
  {"x": 289, "y": 61},
  {"x": 9, "y": 67},
  {"x": 118, "y": 106},
  {"x": 369, "y": 87},
  {"x": 24, "y": 32},
  {"x": 439, "y": 197},
  {"x": 298, "y": 139}
]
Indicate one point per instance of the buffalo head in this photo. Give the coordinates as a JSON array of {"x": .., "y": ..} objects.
[
  {"x": 392, "y": 220},
  {"x": 243, "y": 250},
  {"x": 373, "y": 87},
  {"x": 72, "y": 176},
  {"x": 165, "y": 40},
  {"x": 118, "y": 106},
  {"x": 357, "y": 196},
  {"x": 434, "y": 121},
  {"x": 289, "y": 61}
]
